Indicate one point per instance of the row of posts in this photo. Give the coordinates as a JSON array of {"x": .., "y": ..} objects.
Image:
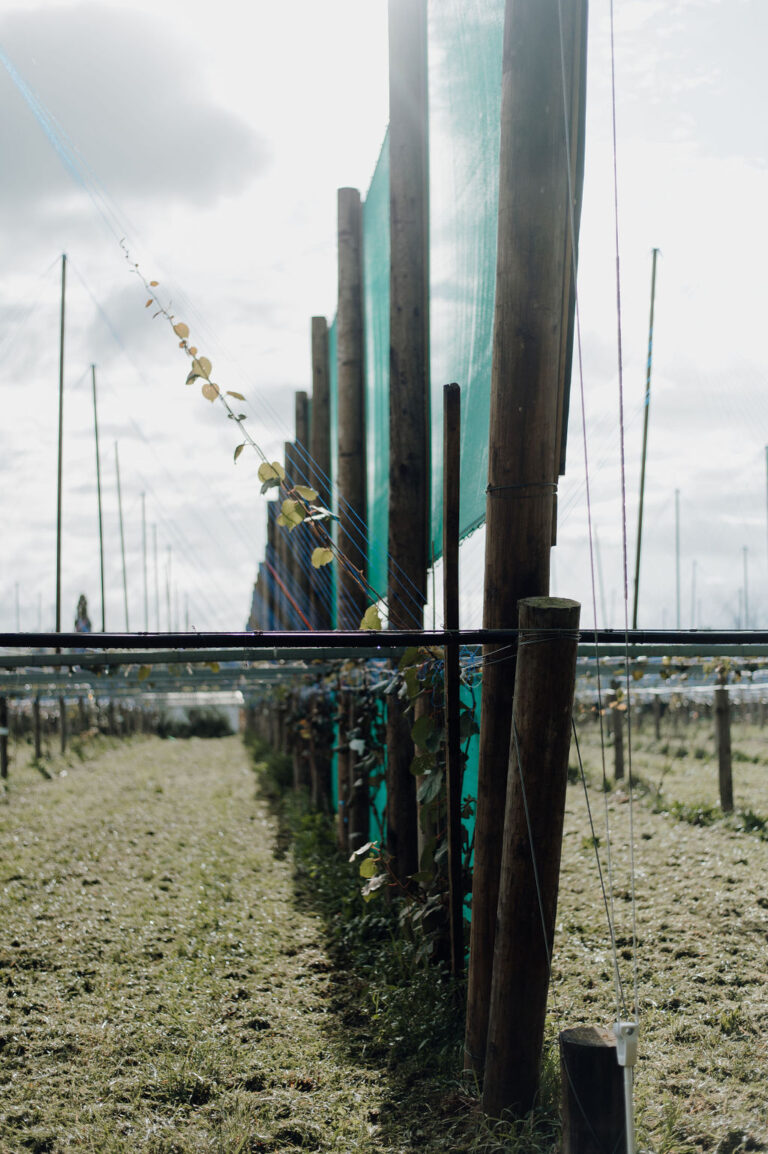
[{"x": 67, "y": 718}]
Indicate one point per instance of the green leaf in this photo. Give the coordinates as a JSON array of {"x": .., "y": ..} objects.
[
  {"x": 412, "y": 683},
  {"x": 321, "y": 557},
  {"x": 423, "y": 729},
  {"x": 274, "y": 473},
  {"x": 144, "y": 672},
  {"x": 430, "y": 788},
  {"x": 467, "y": 724},
  {"x": 410, "y": 657},
  {"x": 423, "y": 763},
  {"x": 370, "y": 888},
  {"x": 371, "y": 619},
  {"x": 239, "y": 450},
  {"x": 368, "y": 867},
  {"x": 305, "y": 492},
  {"x": 292, "y": 514}
]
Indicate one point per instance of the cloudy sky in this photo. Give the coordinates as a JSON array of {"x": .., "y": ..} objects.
[{"x": 215, "y": 147}]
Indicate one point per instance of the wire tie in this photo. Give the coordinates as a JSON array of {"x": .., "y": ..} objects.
[{"x": 548, "y": 486}]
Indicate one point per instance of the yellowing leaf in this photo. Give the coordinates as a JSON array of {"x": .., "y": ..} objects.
[
  {"x": 181, "y": 330},
  {"x": 149, "y": 302},
  {"x": 214, "y": 666},
  {"x": 321, "y": 557},
  {"x": 305, "y": 492},
  {"x": 368, "y": 867},
  {"x": 193, "y": 350},
  {"x": 239, "y": 450},
  {"x": 144, "y": 672},
  {"x": 201, "y": 367},
  {"x": 210, "y": 391},
  {"x": 292, "y": 514},
  {"x": 371, "y": 619},
  {"x": 154, "y": 283},
  {"x": 237, "y": 396},
  {"x": 273, "y": 472}
]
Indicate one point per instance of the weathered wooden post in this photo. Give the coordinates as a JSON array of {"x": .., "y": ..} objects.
[
  {"x": 530, "y": 864},
  {"x": 593, "y": 1111},
  {"x": 617, "y": 728},
  {"x": 453, "y": 763},
  {"x": 409, "y": 513},
  {"x": 539, "y": 200},
  {"x": 351, "y": 591},
  {"x": 359, "y": 801},
  {"x": 36, "y": 728},
  {"x": 657, "y": 716},
  {"x": 342, "y": 772},
  {"x": 3, "y": 738},
  {"x": 63, "y": 734},
  {"x": 320, "y": 450},
  {"x": 274, "y": 617},
  {"x": 302, "y": 536},
  {"x": 723, "y": 746}
]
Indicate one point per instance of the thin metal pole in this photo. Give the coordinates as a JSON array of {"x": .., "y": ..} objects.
[
  {"x": 157, "y": 579},
  {"x": 98, "y": 495},
  {"x": 122, "y": 539},
  {"x": 18, "y": 615},
  {"x": 61, "y": 441},
  {"x": 746, "y": 586},
  {"x": 144, "y": 558},
  {"x": 647, "y": 406},
  {"x": 600, "y": 579},
  {"x": 693, "y": 595},
  {"x": 168, "y": 592},
  {"x": 677, "y": 558},
  {"x": 186, "y": 613}
]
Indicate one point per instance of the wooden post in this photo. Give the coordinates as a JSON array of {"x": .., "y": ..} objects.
[
  {"x": 530, "y": 376},
  {"x": 657, "y": 716},
  {"x": 274, "y": 617},
  {"x": 3, "y": 738},
  {"x": 723, "y": 746},
  {"x": 617, "y": 728},
  {"x": 530, "y": 865},
  {"x": 592, "y": 1105},
  {"x": 359, "y": 807},
  {"x": 285, "y": 558},
  {"x": 302, "y": 540},
  {"x": 63, "y": 724},
  {"x": 320, "y": 450},
  {"x": 352, "y": 598},
  {"x": 342, "y": 773},
  {"x": 409, "y": 508},
  {"x": 453, "y": 764},
  {"x": 36, "y": 725}
]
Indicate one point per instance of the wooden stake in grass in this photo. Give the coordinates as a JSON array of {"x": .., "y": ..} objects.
[
  {"x": 3, "y": 738},
  {"x": 530, "y": 373},
  {"x": 592, "y": 1092},
  {"x": 723, "y": 746},
  {"x": 530, "y": 864}
]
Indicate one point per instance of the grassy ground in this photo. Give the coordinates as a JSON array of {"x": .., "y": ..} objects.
[{"x": 170, "y": 976}]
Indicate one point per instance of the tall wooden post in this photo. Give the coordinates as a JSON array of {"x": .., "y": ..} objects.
[
  {"x": 530, "y": 864},
  {"x": 342, "y": 772},
  {"x": 409, "y": 508},
  {"x": 320, "y": 449},
  {"x": 451, "y": 495},
  {"x": 63, "y": 725},
  {"x": 274, "y": 617},
  {"x": 36, "y": 727},
  {"x": 358, "y": 807},
  {"x": 530, "y": 375},
  {"x": 723, "y": 746},
  {"x": 351, "y": 596},
  {"x": 3, "y": 738},
  {"x": 303, "y": 540},
  {"x": 617, "y": 728}
]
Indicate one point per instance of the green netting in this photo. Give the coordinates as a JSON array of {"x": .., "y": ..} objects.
[
  {"x": 376, "y": 338},
  {"x": 465, "y": 49}
]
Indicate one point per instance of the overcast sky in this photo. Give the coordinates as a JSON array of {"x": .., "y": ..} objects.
[{"x": 215, "y": 146}]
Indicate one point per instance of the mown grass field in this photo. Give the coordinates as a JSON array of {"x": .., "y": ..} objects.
[{"x": 170, "y": 977}]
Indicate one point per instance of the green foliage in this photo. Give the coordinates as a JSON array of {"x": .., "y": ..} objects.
[{"x": 196, "y": 723}]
